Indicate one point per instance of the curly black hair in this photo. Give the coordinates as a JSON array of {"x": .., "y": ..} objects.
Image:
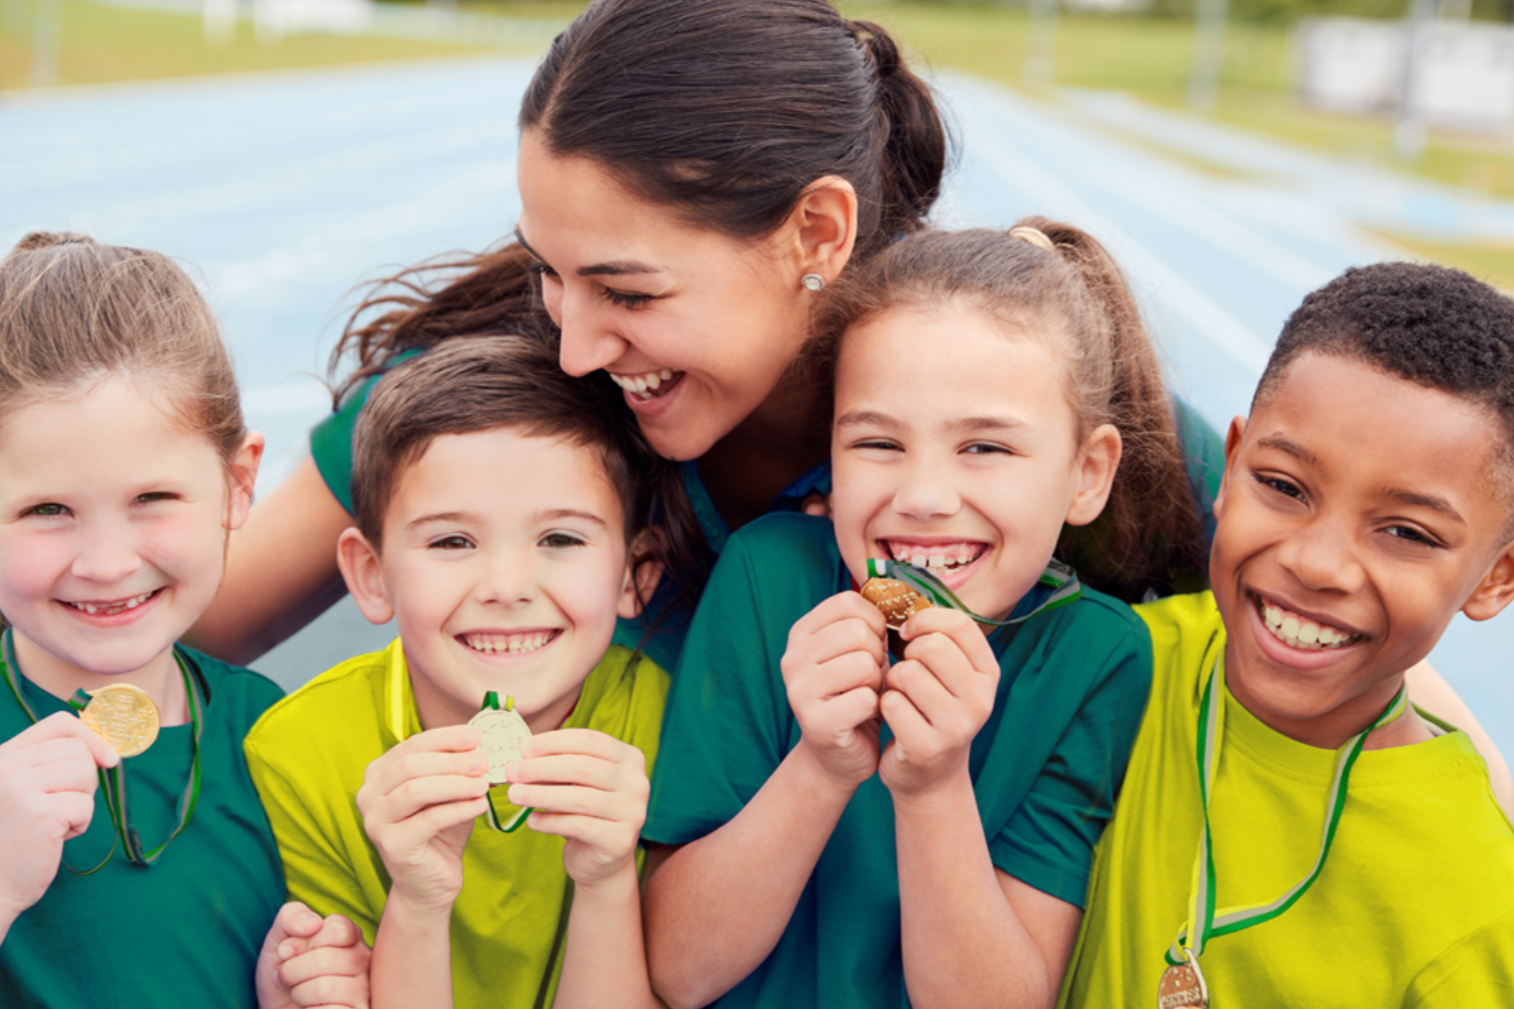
[{"x": 1431, "y": 325}]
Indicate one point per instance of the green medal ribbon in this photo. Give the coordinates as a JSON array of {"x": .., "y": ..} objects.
[
  {"x": 1212, "y": 923},
  {"x": 491, "y": 701},
  {"x": 1057, "y": 587},
  {"x": 113, "y": 780}
]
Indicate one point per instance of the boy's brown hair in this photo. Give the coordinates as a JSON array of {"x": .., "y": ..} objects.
[{"x": 514, "y": 381}]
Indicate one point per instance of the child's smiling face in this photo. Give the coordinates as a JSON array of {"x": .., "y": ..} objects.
[
  {"x": 113, "y": 524},
  {"x": 955, "y": 448},
  {"x": 504, "y": 557},
  {"x": 1357, "y": 516}
]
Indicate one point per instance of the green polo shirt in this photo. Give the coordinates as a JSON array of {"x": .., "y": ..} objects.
[
  {"x": 1045, "y": 766},
  {"x": 185, "y": 930}
]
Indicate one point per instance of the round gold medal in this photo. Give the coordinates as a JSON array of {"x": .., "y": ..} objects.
[
  {"x": 1181, "y": 986},
  {"x": 504, "y": 733},
  {"x": 122, "y": 715},
  {"x": 896, "y": 600}
]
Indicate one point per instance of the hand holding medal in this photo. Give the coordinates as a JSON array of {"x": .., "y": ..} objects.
[
  {"x": 419, "y": 801},
  {"x": 833, "y": 670},
  {"x": 47, "y": 789}
]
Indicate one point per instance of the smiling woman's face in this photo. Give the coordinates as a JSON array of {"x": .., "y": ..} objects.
[{"x": 698, "y": 328}]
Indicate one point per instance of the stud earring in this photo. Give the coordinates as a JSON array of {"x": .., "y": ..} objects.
[{"x": 813, "y": 282}]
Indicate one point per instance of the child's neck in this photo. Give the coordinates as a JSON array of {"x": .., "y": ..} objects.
[
  {"x": 1332, "y": 729},
  {"x": 160, "y": 678}
]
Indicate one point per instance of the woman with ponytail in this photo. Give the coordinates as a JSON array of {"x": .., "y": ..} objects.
[{"x": 837, "y": 830}]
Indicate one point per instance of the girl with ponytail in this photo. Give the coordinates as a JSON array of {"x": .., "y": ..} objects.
[{"x": 836, "y": 829}]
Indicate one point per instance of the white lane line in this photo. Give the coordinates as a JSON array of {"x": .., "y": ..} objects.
[
  {"x": 1201, "y": 311},
  {"x": 1139, "y": 181}
]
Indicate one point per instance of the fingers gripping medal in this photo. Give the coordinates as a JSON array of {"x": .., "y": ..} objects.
[
  {"x": 502, "y": 732},
  {"x": 126, "y": 718},
  {"x": 901, "y": 590}
]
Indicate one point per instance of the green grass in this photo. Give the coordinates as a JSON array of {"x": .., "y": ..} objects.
[
  {"x": 103, "y": 44},
  {"x": 1149, "y": 58}
]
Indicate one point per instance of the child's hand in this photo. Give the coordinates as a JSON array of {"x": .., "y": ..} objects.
[
  {"x": 833, "y": 670},
  {"x": 589, "y": 788},
  {"x": 310, "y": 961},
  {"x": 47, "y": 793},
  {"x": 937, "y": 699},
  {"x": 419, "y": 802}
]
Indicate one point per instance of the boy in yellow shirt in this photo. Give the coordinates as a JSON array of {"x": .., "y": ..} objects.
[
  {"x": 503, "y": 511},
  {"x": 1291, "y": 832}
]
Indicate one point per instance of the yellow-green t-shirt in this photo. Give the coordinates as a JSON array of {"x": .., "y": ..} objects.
[
  {"x": 1414, "y": 907},
  {"x": 307, "y": 755}
]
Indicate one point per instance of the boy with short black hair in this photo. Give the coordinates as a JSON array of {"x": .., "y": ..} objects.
[{"x": 1291, "y": 832}]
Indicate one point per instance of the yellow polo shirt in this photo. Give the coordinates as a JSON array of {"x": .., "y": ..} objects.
[
  {"x": 1414, "y": 907},
  {"x": 307, "y": 756}
]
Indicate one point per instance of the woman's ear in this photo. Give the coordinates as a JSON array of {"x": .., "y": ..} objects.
[
  {"x": 242, "y": 477},
  {"x": 1097, "y": 463},
  {"x": 643, "y": 571},
  {"x": 824, "y": 227},
  {"x": 364, "y": 575}
]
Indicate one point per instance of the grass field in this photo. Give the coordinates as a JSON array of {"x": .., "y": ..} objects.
[{"x": 103, "y": 44}]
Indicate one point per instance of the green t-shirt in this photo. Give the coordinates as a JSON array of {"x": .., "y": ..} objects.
[
  {"x": 308, "y": 755},
  {"x": 185, "y": 930},
  {"x": 1045, "y": 767},
  {"x": 1414, "y": 907}
]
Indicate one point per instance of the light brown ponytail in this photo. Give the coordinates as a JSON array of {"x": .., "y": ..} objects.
[{"x": 1149, "y": 537}]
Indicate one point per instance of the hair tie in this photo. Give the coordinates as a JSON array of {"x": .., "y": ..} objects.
[{"x": 1033, "y": 236}]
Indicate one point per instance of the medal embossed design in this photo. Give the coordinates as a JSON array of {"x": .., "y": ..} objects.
[
  {"x": 896, "y": 600},
  {"x": 124, "y": 716},
  {"x": 1181, "y": 986},
  {"x": 503, "y": 733}
]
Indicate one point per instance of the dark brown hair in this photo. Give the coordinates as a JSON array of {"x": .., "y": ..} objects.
[
  {"x": 725, "y": 111},
  {"x": 513, "y": 381},
  {"x": 1149, "y": 536},
  {"x": 74, "y": 312}
]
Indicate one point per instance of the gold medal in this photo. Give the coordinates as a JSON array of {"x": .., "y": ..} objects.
[
  {"x": 503, "y": 734},
  {"x": 1183, "y": 985},
  {"x": 897, "y": 601},
  {"x": 124, "y": 716}
]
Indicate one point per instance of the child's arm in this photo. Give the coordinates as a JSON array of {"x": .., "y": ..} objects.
[
  {"x": 972, "y": 934},
  {"x": 310, "y": 961},
  {"x": 47, "y": 792},
  {"x": 419, "y": 802},
  {"x": 591, "y": 789},
  {"x": 717, "y": 906}
]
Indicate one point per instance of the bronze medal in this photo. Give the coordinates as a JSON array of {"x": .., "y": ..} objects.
[
  {"x": 896, "y": 600},
  {"x": 1183, "y": 985},
  {"x": 122, "y": 715},
  {"x": 503, "y": 734}
]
